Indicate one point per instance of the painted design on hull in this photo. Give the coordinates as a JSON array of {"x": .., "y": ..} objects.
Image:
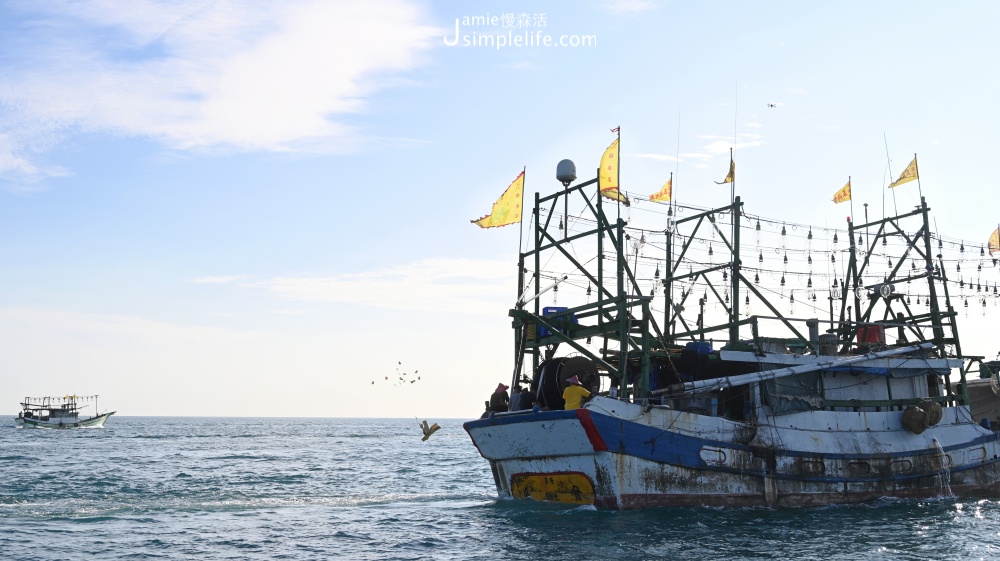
[{"x": 573, "y": 487}]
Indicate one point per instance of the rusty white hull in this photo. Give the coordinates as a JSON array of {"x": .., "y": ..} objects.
[
  {"x": 68, "y": 422},
  {"x": 619, "y": 455}
]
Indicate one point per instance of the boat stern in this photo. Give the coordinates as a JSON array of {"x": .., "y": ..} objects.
[{"x": 543, "y": 455}]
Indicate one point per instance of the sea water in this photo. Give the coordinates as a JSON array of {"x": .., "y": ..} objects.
[{"x": 258, "y": 488}]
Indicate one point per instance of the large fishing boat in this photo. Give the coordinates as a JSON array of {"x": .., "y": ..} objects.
[
  {"x": 698, "y": 400},
  {"x": 59, "y": 413}
]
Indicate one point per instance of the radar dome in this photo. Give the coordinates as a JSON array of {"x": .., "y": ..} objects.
[{"x": 566, "y": 172}]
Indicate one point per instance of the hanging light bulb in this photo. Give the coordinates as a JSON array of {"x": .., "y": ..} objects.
[
  {"x": 725, "y": 275},
  {"x": 561, "y": 227},
  {"x": 588, "y": 289},
  {"x": 782, "y": 280},
  {"x": 984, "y": 307},
  {"x": 757, "y": 234},
  {"x": 809, "y": 283},
  {"x": 833, "y": 258},
  {"x": 656, "y": 275},
  {"x": 555, "y": 294},
  {"x": 982, "y": 251},
  {"x": 810, "y": 236},
  {"x": 756, "y": 278},
  {"x": 791, "y": 303},
  {"x": 710, "y": 253},
  {"x": 809, "y": 259},
  {"x": 835, "y": 239},
  {"x": 746, "y": 306},
  {"x": 940, "y": 243},
  {"x": 786, "y": 258},
  {"x": 760, "y": 257},
  {"x": 835, "y": 283}
]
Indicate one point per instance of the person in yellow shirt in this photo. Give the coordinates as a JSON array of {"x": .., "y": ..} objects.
[{"x": 574, "y": 393}]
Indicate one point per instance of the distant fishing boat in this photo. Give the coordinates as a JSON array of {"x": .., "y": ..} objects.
[
  {"x": 59, "y": 413},
  {"x": 697, "y": 400}
]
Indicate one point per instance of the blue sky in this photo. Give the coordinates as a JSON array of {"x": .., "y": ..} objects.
[{"x": 257, "y": 208}]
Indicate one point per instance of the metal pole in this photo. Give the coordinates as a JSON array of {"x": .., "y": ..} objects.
[{"x": 702, "y": 386}]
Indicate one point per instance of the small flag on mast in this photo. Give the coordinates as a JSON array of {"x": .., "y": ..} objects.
[
  {"x": 994, "y": 243},
  {"x": 909, "y": 174},
  {"x": 666, "y": 192},
  {"x": 607, "y": 179},
  {"x": 507, "y": 209},
  {"x": 844, "y": 194},
  {"x": 732, "y": 171}
]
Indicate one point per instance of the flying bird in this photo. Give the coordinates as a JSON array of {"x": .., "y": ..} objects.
[
  {"x": 428, "y": 430},
  {"x": 401, "y": 378}
]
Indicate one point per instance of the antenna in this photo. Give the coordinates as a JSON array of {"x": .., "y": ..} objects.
[{"x": 889, "y": 165}]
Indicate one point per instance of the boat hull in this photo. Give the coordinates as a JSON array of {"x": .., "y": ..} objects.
[
  {"x": 92, "y": 422},
  {"x": 622, "y": 456}
]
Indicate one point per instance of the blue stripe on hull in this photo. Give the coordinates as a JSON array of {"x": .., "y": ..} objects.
[{"x": 672, "y": 448}]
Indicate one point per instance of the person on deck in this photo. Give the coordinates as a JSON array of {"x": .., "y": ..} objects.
[
  {"x": 515, "y": 397},
  {"x": 575, "y": 393},
  {"x": 525, "y": 400},
  {"x": 500, "y": 401}
]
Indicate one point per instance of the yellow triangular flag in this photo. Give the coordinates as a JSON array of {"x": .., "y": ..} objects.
[
  {"x": 732, "y": 172},
  {"x": 994, "y": 243},
  {"x": 507, "y": 209},
  {"x": 607, "y": 178},
  {"x": 844, "y": 194},
  {"x": 909, "y": 174},
  {"x": 666, "y": 192}
]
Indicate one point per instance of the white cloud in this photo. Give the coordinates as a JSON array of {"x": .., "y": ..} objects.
[
  {"x": 657, "y": 157},
  {"x": 228, "y": 74},
  {"x": 218, "y": 279},
  {"x": 438, "y": 285},
  {"x": 718, "y": 145},
  {"x": 629, "y": 6}
]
